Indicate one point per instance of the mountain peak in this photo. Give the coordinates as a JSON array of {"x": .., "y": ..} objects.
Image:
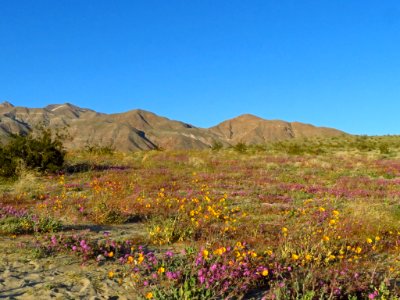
[
  {"x": 6, "y": 104},
  {"x": 246, "y": 117},
  {"x": 54, "y": 107}
]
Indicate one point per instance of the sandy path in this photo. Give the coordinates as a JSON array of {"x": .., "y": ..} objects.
[{"x": 56, "y": 277}]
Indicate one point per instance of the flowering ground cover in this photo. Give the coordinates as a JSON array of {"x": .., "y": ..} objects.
[{"x": 318, "y": 221}]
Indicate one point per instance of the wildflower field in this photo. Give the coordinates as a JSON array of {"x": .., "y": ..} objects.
[{"x": 314, "y": 219}]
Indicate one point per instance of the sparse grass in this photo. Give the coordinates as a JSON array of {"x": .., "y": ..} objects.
[{"x": 308, "y": 219}]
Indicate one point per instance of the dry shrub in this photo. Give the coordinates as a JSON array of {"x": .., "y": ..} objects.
[
  {"x": 196, "y": 162},
  {"x": 28, "y": 181}
]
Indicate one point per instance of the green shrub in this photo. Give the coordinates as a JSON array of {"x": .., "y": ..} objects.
[
  {"x": 41, "y": 151},
  {"x": 364, "y": 143},
  {"x": 240, "y": 147},
  {"x": 384, "y": 148},
  {"x": 216, "y": 146},
  {"x": 8, "y": 164},
  {"x": 295, "y": 149},
  {"x": 100, "y": 149}
]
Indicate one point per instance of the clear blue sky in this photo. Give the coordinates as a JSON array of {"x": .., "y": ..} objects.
[{"x": 329, "y": 63}]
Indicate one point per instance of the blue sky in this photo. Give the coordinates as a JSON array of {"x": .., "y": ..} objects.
[{"x": 329, "y": 63}]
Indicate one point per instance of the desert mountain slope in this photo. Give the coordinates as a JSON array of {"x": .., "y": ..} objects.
[
  {"x": 251, "y": 129},
  {"x": 143, "y": 130}
]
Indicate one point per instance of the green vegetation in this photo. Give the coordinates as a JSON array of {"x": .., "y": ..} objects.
[
  {"x": 18, "y": 223},
  {"x": 216, "y": 146},
  {"x": 99, "y": 149},
  {"x": 42, "y": 151},
  {"x": 240, "y": 147}
]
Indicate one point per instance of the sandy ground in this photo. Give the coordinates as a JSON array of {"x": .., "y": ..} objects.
[{"x": 22, "y": 276}]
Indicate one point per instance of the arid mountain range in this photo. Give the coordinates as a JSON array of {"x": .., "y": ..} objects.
[{"x": 142, "y": 130}]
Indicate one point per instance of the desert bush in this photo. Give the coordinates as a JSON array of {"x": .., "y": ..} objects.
[
  {"x": 100, "y": 149},
  {"x": 104, "y": 214},
  {"x": 42, "y": 151},
  {"x": 240, "y": 147},
  {"x": 294, "y": 149},
  {"x": 216, "y": 146},
  {"x": 363, "y": 143},
  {"x": 384, "y": 148},
  {"x": 28, "y": 182},
  {"x": 7, "y": 163}
]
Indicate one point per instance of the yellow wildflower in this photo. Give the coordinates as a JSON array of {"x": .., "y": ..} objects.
[
  {"x": 284, "y": 231},
  {"x": 239, "y": 245},
  {"x": 141, "y": 258},
  {"x": 220, "y": 251},
  {"x": 264, "y": 272}
]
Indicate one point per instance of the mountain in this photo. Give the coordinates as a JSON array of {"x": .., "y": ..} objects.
[
  {"x": 143, "y": 130},
  {"x": 251, "y": 129}
]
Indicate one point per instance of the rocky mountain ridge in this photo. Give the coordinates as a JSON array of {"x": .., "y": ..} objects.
[{"x": 142, "y": 130}]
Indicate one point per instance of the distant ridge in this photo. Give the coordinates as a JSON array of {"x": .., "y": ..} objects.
[
  {"x": 6, "y": 104},
  {"x": 255, "y": 130},
  {"x": 142, "y": 130}
]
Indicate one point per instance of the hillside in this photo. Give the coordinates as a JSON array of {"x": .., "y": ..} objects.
[{"x": 143, "y": 130}]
